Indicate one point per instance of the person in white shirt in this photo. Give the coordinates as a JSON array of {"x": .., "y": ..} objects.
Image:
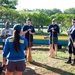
[{"x": 6, "y": 32}]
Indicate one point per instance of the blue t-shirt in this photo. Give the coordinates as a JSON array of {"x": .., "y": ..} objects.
[
  {"x": 25, "y": 28},
  {"x": 56, "y": 30},
  {"x": 10, "y": 53}
]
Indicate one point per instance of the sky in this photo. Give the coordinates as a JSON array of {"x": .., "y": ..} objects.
[{"x": 45, "y": 4}]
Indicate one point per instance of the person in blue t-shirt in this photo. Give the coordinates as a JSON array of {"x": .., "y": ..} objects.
[
  {"x": 14, "y": 51},
  {"x": 54, "y": 30},
  {"x": 71, "y": 48},
  {"x": 29, "y": 32}
]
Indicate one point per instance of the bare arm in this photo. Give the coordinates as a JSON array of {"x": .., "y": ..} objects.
[
  {"x": 4, "y": 61},
  {"x": 31, "y": 33}
]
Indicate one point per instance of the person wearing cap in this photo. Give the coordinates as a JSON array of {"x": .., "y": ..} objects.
[
  {"x": 54, "y": 30},
  {"x": 6, "y": 32},
  {"x": 71, "y": 45},
  {"x": 29, "y": 32},
  {"x": 14, "y": 52}
]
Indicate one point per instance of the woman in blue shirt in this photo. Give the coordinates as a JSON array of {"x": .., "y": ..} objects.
[{"x": 14, "y": 53}]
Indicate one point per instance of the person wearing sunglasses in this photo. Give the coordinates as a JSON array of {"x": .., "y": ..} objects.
[{"x": 71, "y": 48}]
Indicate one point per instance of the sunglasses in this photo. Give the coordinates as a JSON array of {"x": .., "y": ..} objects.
[{"x": 73, "y": 22}]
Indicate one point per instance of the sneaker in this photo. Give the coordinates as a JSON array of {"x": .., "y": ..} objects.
[
  {"x": 73, "y": 63},
  {"x": 68, "y": 62}
]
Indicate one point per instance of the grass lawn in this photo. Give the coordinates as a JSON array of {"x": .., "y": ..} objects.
[{"x": 44, "y": 65}]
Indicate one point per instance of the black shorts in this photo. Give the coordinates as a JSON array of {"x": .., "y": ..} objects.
[
  {"x": 18, "y": 66},
  {"x": 55, "y": 40},
  {"x": 71, "y": 49}
]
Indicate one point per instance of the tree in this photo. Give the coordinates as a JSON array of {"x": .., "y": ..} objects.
[
  {"x": 9, "y": 3},
  {"x": 69, "y": 11},
  {"x": 56, "y": 11}
]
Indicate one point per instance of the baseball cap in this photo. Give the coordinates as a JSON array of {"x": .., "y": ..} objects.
[
  {"x": 53, "y": 20},
  {"x": 17, "y": 27}
]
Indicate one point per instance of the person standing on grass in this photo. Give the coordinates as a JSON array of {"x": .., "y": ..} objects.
[
  {"x": 54, "y": 30},
  {"x": 71, "y": 48},
  {"x": 6, "y": 32},
  {"x": 15, "y": 51},
  {"x": 29, "y": 32}
]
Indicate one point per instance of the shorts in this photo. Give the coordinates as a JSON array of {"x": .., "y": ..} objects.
[
  {"x": 55, "y": 40},
  {"x": 71, "y": 49},
  {"x": 18, "y": 66}
]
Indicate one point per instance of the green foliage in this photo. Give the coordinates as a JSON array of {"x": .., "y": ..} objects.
[
  {"x": 56, "y": 11},
  {"x": 70, "y": 11},
  {"x": 39, "y": 19},
  {"x": 9, "y": 3}
]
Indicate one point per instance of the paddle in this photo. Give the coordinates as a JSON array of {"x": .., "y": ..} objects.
[
  {"x": 29, "y": 52},
  {"x": 52, "y": 53}
]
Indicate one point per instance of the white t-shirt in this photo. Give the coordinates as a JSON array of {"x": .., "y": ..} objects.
[{"x": 5, "y": 32}]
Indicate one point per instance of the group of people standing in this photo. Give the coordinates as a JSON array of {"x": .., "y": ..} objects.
[
  {"x": 54, "y": 30},
  {"x": 16, "y": 44}
]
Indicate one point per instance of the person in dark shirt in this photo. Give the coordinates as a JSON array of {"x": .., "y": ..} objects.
[
  {"x": 71, "y": 48},
  {"x": 29, "y": 32},
  {"x": 54, "y": 30}
]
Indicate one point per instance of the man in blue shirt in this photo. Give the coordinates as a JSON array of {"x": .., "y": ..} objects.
[
  {"x": 29, "y": 32},
  {"x": 54, "y": 30}
]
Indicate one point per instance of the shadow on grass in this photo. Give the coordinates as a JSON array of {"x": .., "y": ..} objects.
[
  {"x": 62, "y": 58},
  {"x": 30, "y": 71},
  {"x": 56, "y": 70},
  {"x": 41, "y": 49},
  {"x": 47, "y": 48}
]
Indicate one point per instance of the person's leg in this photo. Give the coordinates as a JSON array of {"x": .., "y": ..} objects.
[
  {"x": 56, "y": 48},
  {"x": 20, "y": 67},
  {"x": 10, "y": 67},
  {"x": 56, "y": 45},
  {"x": 50, "y": 48},
  {"x": 70, "y": 54},
  {"x": 73, "y": 63},
  {"x": 18, "y": 73},
  {"x": 8, "y": 73}
]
